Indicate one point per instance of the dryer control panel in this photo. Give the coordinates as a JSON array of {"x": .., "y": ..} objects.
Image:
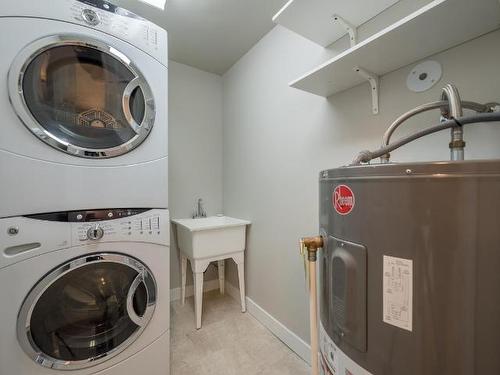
[
  {"x": 99, "y": 15},
  {"x": 107, "y": 17}
]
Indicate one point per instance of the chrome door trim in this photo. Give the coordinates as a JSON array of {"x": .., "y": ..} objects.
[
  {"x": 16, "y": 97},
  {"x": 140, "y": 83},
  {"x": 138, "y": 320},
  {"x": 24, "y": 317}
]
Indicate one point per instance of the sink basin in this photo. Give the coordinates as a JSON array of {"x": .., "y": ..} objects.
[{"x": 210, "y": 236}]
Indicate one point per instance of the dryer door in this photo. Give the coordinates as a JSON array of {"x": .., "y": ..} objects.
[
  {"x": 86, "y": 311},
  {"x": 81, "y": 96}
]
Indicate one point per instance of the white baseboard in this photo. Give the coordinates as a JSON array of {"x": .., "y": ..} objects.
[
  {"x": 175, "y": 294},
  {"x": 290, "y": 339}
]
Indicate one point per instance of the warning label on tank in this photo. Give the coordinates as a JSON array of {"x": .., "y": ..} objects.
[{"x": 398, "y": 292}]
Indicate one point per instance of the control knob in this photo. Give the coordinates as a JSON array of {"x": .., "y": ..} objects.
[
  {"x": 95, "y": 232},
  {"x": 90, "y": 17}
]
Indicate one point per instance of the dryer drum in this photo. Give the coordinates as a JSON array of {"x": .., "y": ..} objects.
[
  {"x": 81, "y": 96},
  {"x": 409, "y": 278}
]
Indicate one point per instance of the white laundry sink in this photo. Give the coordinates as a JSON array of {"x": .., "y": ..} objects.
[{"x": 210, "y": 236}]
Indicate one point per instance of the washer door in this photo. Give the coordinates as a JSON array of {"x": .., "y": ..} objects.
[
  {"x": 81, "y": 96},
  {"x": 86, "y": 311}
]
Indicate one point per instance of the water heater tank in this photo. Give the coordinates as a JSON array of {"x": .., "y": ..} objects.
[{"x": 410, "y": 270}]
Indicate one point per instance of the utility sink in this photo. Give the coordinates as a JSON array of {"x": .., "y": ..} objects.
[
  {"x": 210, "y": 236},
  {"x": 206, "y": 240}
]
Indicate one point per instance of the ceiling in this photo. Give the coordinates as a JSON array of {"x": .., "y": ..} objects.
[{"x": 210, "y": 34}]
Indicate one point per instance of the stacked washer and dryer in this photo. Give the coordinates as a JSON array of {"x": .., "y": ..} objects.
[{"x": 84, "y": 234}]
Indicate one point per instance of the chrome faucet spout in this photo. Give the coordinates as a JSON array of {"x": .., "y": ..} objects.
[{"x": 200, "y": 211}]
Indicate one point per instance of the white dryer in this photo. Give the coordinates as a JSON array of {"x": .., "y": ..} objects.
[
  {"x": 86, "y": 291},
  {"x": 84, "y": 118}
]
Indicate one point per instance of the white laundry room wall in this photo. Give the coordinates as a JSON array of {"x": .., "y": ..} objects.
[
  {"x": 195, "y": 149},
  {"x": 277, "y": 139}
]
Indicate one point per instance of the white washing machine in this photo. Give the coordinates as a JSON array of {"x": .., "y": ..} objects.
[
  {"x": 84, "y": 114},
  {"x": 86, "y": 291}
]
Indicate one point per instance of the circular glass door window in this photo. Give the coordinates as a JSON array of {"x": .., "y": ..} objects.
[
  {"x": 82, "y": 97},
  {"x": 86, "y": 311}
]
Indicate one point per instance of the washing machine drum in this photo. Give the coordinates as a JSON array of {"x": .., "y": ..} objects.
[
  {"x": 86, "y": 311},
  {"x": 82, "y": 99}
]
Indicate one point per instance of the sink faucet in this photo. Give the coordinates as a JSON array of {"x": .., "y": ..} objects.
[
  {"x": 454, "y": 111},
  {"x": 200, "y": 211}
]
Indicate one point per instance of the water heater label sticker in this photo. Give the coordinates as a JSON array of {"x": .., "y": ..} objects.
[
  {"x": 398, "y": 292},
  {"x": 343, "y": 199}
]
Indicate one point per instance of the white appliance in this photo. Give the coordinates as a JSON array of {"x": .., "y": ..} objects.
[
  {"x": 86, "y": 291},
  {"x": 84, "y": 113}
]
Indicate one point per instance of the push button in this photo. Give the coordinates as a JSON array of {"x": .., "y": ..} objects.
[
  {"x": 146, "y": 224},
  {"x": 155, "y": 223}
]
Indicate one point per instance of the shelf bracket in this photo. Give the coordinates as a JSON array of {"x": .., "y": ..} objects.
[
  {"x": 374, "y": 81},
  {"x": 349, "y": 27}
]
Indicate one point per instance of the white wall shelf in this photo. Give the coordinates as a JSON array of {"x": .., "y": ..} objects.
[
  {"x": 436, "y": 27},
  {"x": 316, "y": 21}
]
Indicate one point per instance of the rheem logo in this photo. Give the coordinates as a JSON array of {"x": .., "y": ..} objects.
[{"x": 343, "y": 199}]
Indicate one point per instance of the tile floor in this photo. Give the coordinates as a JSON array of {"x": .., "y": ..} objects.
[{"x": 229, "y": 342}]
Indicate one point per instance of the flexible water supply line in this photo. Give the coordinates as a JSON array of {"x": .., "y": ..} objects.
[
  {"x": 367, "y": 156},
  {"x": 451, "y": 108},
  {"x": 481, "y": 108}
]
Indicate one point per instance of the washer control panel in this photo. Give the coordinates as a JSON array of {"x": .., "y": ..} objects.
[
  {"x": 105, "y": 225},
  {"x": 119, "y": 225}
]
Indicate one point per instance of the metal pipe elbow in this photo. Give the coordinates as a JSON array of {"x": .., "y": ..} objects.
[{"x": 450, "y": 94}]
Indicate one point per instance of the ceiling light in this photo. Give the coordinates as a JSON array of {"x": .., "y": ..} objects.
[{"x": 156, "y": 3}]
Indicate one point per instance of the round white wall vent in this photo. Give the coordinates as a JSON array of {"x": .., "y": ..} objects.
[{"x": 423, "y": 76}]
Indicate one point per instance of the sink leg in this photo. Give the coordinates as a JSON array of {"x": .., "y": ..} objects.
[
  {"x": 221, "y": 275},
  {"x": 241, "y": 278},
  {"x": 239, "y": 259},
  {"x": 183, "y": 281},
  {"x": 198, "y": 297}
]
